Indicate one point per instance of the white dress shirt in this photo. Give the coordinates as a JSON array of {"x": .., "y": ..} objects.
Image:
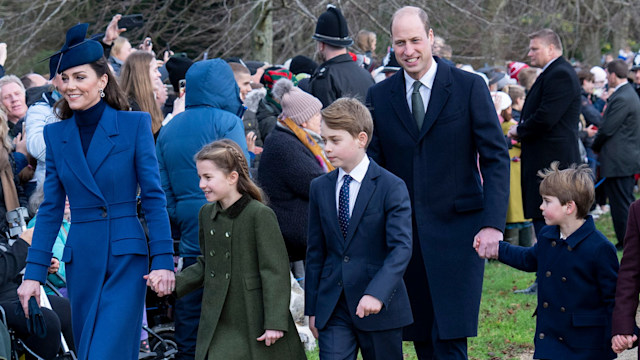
[
  {"x": 427, "y": 82},
  {"x": 357, "y": 175}
]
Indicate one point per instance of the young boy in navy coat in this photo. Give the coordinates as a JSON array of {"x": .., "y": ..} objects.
[
  {"x": 576, "y": 268},
  {"x": 359, "y": 245}
]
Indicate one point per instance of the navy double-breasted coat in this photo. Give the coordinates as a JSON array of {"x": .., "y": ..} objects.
[{"x": 106, "y": 254}]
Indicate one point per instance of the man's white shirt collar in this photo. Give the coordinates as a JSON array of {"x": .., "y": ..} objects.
[{"x": 427, "y": 79}]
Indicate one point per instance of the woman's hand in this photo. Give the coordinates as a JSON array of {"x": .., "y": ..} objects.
[
  {"x": 270, "y": 337},
  {"x": 55, "y": 266},
  {"x": 162, "y": 281},
  {"x": 27, "y": 289}
]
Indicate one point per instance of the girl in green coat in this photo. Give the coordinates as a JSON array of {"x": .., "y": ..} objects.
[{"x": 244, "y": 266}]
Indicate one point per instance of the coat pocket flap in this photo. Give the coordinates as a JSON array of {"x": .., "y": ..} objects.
[
  {"x": 252, "y": 282},
  {"x": 469, "y": 203},
  {"x": 132, "y": 246},
  {"x": 588, "y": 320},
  {"x": 66, "y": 254}
]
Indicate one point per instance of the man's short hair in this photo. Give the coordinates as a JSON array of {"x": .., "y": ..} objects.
[
  {"x": 618, "y": 67},
  {"x": 549, "y": 37},
  {"x": 238, "y": 68},
  {"x": 8, "y": 79},
  {"x": 585, "y": 75},
  {"x": 414, "y": 10},
  {"x": 572, "y": 184},
  {"x": 350, "y": 115}
]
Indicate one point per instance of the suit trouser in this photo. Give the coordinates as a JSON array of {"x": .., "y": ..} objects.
[
  {"x": 433, "y": 347},
  {"x": 187, "y": 319},
  {"x": 340, "y": 339},
  {"x": 620, "y": 193}
]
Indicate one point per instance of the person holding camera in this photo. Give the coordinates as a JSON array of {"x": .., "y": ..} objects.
[{"x": 12, "y": 195}]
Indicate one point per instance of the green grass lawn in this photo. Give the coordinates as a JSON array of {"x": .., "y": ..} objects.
[{"x": 506, "y": 325}]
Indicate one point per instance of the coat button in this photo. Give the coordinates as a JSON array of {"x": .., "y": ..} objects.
[
  {"x": 553, "y": 243},
  {"x": 564, "y": 279},
  {"x": 569, "y": 248},
  {"x": 227, "y": 234},
  {"x": 227, "y": 275},
  {"x": 561, "y": 338},
  {"x": 545, "y": 304},
  {"x": 562, "y": 309},
  {"x": 227, "y": 255},
  {"x": 541, "y": 336},
  {"x": 212, "y": 232},
  {"x": 340, "y": 283},
  {"x": 213, "y": 274},
  {"x": 212, "y": 253},
  {"x": 104, "y": 211},
  {"x": 346, "y": 259},
  {"x": 547, "y": 274}
]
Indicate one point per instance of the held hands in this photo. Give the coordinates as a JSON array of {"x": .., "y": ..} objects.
[
  {"x": 55, "y": 266},
  {"x": 27, "y": 289},
  {"x": 163, "y": 281},
  {"x": 486, "y": 242},
  {"x": 513, "y": 132},
  {"x": 368, "y": 305},
  {"x": 620, "y": 343},
  {"x": 591, "y": 131},
  {"x": 270, "y": 337}
]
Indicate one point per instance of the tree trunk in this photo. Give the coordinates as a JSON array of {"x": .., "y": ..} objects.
[{"x": 262, "y": 39}]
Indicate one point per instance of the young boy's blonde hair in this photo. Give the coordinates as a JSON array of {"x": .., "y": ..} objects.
[
  {"x": 350, "y": 115},
  {"x": 572, "y": 184}
]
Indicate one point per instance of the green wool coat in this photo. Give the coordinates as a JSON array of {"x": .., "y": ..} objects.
[{"x": 244, "y": 269}]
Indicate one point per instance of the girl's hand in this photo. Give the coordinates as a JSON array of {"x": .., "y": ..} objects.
[
  {"x": 270, "y": 337},
  {"x": 251, "y": 141}
]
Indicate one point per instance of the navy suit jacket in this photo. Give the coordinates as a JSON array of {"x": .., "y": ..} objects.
[
  {"x": 441, "y": 164},
  {"x": 370, "y": 261}
]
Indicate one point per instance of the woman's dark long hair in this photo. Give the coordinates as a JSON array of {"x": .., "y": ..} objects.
[{"x": 113, "y": 95}]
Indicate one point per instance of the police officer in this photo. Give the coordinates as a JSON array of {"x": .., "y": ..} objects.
[{"x": 339, "y": 75}]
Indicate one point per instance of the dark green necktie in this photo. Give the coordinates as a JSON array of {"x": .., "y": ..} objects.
[{"x": 417, "y": 106}]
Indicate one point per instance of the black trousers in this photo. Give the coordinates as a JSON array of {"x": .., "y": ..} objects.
[
  {"x": 57, "y": 320},
  {"x": 620, "y": 193}
]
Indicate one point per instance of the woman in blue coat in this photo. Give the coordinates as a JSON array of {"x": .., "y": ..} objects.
[{"x": 99, "y": 157}]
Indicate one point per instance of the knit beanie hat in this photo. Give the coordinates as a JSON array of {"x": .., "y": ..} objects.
[
  {"x": 177, "y": 67},
  {"x": 273, "y": 74},
  {"x": 296, "y": 104},
  {"x": 515, "y": 67}
]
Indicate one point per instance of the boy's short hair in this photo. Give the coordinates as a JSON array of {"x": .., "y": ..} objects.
[
  {"x": 572, "y": 184},
  {"x": 238, "y": 68},
  {"x": 350, "y": 115}
]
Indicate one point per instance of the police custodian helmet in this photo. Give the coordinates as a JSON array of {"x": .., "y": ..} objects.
[{"x": 332, "y": 28}]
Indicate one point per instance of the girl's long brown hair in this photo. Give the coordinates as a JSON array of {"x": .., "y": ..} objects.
[
  {"x": 112, "y": 93},
  {"x": 228, "y": 157},
  {"x": 137, "y": 85}
]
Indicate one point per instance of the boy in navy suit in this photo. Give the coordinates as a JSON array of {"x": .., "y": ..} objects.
[
  {"x": 359, "y": 245},
  {"x": 576, "y": 268}
]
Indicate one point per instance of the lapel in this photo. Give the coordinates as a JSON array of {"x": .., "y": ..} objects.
[
  {"x": 439, "y": 96},
  {"x": 101, "y": 143},
  {"x": 74, "y": 156},
  {"x": 330, "y": 206},
  {"x": 400, "y": 105},
  {"x": 367, "y": 188}
]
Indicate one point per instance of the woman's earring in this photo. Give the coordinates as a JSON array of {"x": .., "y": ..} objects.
[{"x": 101, "y": 93}]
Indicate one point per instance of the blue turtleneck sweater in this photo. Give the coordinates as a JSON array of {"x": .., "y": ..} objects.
[{"x": 87, "y": 121}]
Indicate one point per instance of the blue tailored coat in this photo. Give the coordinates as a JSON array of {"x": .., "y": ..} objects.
[
  {"x": 576, "y": 291},
  {"x": 106, "y": 253},
  {"x": 441, "y": 165},
  {"x": 372, "y": 258}
]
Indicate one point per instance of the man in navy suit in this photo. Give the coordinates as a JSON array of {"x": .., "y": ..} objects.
[
  {"x": 359, "y": 245},
  {"x": 437, "y": 129}
]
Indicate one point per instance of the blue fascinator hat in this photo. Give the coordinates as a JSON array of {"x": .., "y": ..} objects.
[{"x": 76, "y": 51}]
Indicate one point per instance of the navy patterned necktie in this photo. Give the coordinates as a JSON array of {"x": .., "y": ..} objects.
[{"x": 343, "y": 205}]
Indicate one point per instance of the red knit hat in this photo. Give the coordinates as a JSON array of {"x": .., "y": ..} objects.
[{"x": 515, "y": 67}]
